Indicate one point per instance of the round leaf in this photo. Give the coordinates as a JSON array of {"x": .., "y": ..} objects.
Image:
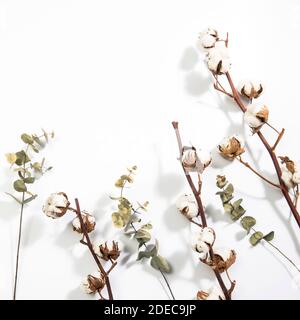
[
  {"x": 27, "y": 138},
  {"x": 256, "y": 237},
  {"x": 20, "y": 186},
  {"x": 269, "y": 236},
  {"x": 248, "y": 222},
  {"x": 160, "y": 263}
]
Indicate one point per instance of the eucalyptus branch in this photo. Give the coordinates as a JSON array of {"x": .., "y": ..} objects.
[
  {"x": 187, "y": 163},
  {"x": 28, "y": 172},
  {"x": 255, "y": 116},
  {"x": 237, "y": 212},
  {"x": 127, "y": 215}
]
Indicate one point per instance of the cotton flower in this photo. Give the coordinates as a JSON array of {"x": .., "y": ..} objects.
[
  {"x": 290, "y": 172},
  {"x": 195, "y": 160},
  {"x": 231, "y": 147},
  {"x": 187, "y": 205},
  {"x": 207, "y": 39},
  {"x": 56, "y": 205},
  {"x": 88, "y": 220},
  {"x": 204, "y": 157},
  {"x": 107, "y": 252},
  {"x": 203, "y": 240},
  {"x": 93, "y": 283},
  {"x": 256, "y": 115},
  {"x": 214, "y": 293},
  {"x": 250, "y": 89},
  {"x": 223, "y": 259},
  {"x": 219, "y": 60}
]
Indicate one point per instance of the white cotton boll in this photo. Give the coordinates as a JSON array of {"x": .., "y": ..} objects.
[
  {"x": 286, "y": 176},
  {"x": 207, "y": 39},
  {"x": 256, "y": 115},
  {"x": 250, "y": 89},
  {"x": 206, "y": 235},
  {"x": 56, "y": 205},
  {"x": 224, "y": 253},
  {"x": 219, "y": 60},
  {"x": 187, "y": 205},
  {"x": 204, "y": 157},
  {"x": 189, "y": 158},
  {"x": 296, "y": 177},
  {"x": 200, "y": 247}
]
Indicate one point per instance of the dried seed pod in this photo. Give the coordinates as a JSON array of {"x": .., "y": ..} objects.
[
  {"x": 223, "y": 259},
  {"x": 107, "y": 252},
  {"x": 93, "y": 283},
  {"x": 88, "y": 220},
  {"x": 231, "y": 147}
]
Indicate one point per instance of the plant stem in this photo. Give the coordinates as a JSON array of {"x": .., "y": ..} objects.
[
  {"x": 246, "y": 164},
  {"x": 201, "y": 212},
  {"x": 284, "y": 255},
  {"x": 90, "y": 246},
  {"x": 271, "y": 152},
  {"x": 162, "y": 273},
  {"x": 18, "y": 248}
]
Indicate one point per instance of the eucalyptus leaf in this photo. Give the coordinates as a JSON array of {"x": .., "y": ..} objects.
[
  {"x": 20, "y": 186},
  {"x": 26, "y": 138},
  {"x": 142, "y": 236},
  {"x": 247, "y": 223},
  {"x": 30, "y": 199},
  {"x": 269, "y": 236},
  {"x": 29, "y": 180},
  {"x": 256, "y": 238},
  {"x": 22, "y": 158},
  {"x": 160, "y": 263}
]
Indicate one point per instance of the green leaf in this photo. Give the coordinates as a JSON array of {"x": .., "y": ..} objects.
[
  {"x": 34, "y": 148},
  {"x": 20, "y": 186},
  {"x": 237, "y": 203},
  {"x": 228, "y": 208},
  {"x": 29, "y": 180},
  {"x": 38, "y": 140},
  {"x": 256, "y": 238},
  {"x": 27, "y": 138},
  {"x": 147, "y": 254},
  {"x": 248, "y": 222},
  {"x": 269, "y": 236},
  {"x": 229, "y": 189},
  {"x": 147, "y": 226},
  {"x": 30, "y": 199},
  {"x": 22, "y": 158},
  {"x": 160, "y": 263},
  {"x": 118, "y": 220},
  {"x": 142, "y": 236},
  {"x": 237, "y": 213}
]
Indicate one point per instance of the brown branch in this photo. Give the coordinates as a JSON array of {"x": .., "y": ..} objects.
[
  {"x": 90, "y": 246},
  {"x": 201, "y": 212},
  {"x": 278, "y": 139},
  {"x": 270, "y": 150}
]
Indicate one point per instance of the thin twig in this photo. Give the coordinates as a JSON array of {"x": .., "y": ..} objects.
[
  {"x": 246, "y": 164},
  {"x": 278, "y": 139}
]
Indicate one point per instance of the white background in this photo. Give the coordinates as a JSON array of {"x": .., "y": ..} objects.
[{"x": 109, "y": 77}]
